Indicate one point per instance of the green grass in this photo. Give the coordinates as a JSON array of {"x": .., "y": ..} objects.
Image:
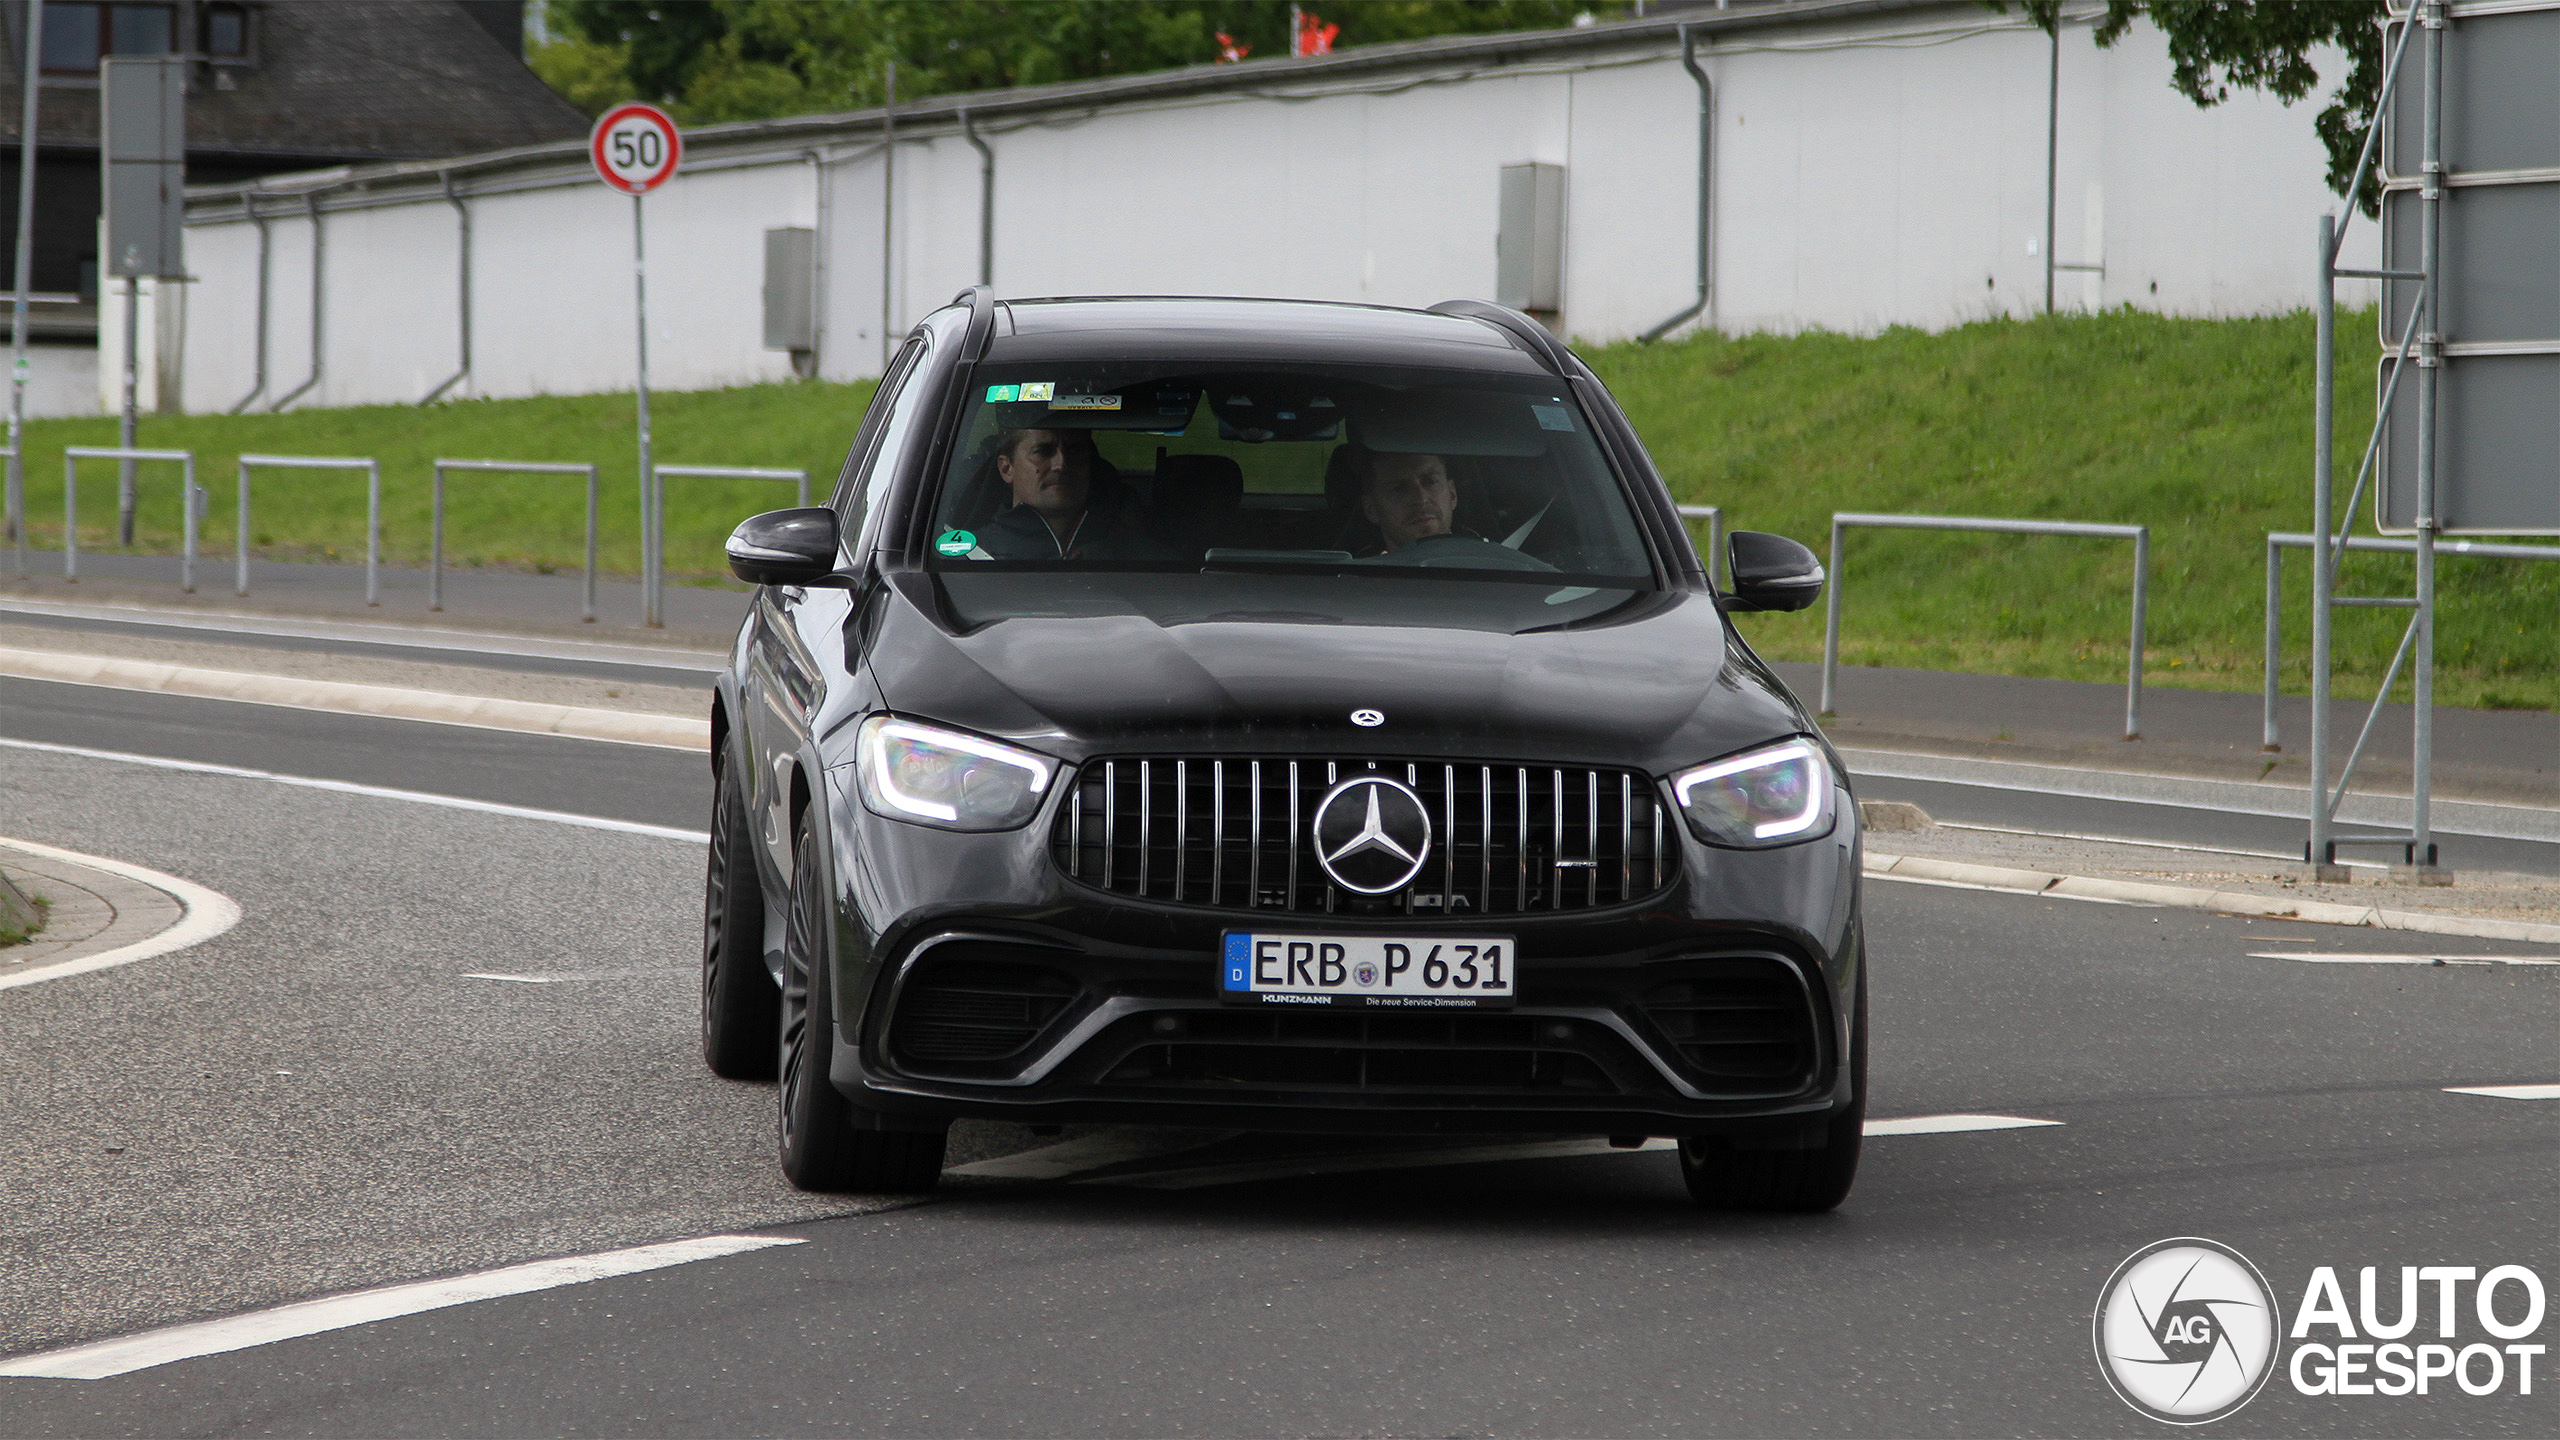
[{"x": 2200, "y": 429}]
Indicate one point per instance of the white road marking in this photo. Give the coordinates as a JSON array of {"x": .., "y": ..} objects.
[
  {"x": 104, "y": 1358},
  {"x": 2368, "y": 958},
  {"x": 567, "y": 976},
  {"x": 1953, "y": 1124},
  {"x": 377, "y": 792},
  {"x": 2007, "y": 890},
  {"x": 2507, "y": 1092},
  {"x": 1195, "y": 1177},
  {"x": 205, "y": 914}
]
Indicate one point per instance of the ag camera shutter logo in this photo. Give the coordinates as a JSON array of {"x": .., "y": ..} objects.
[{"x": 2186, "y": 1331}]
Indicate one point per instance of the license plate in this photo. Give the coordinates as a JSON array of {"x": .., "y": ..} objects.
[{"x": 1379, "y": 972}]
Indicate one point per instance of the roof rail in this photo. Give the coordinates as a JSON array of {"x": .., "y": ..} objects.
[
  {"x": 1529, "y": 334},
  {"x": 981, "y": 300}
]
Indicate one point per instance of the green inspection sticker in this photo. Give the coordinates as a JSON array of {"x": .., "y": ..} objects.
[
  {"x": 1003, "y": 394},
  {"x": 956, "y": 542}
]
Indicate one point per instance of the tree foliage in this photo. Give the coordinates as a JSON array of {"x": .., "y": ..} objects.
[
  {"x": 755, "y": 59},
  {"x": 2217, "y": 45}
]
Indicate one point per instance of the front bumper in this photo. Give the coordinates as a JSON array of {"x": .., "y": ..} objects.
[{"x": 976, "y": 981}]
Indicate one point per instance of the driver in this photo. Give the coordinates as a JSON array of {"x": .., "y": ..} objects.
[
  {"x": 1058, "y": 513},
  {"x": 1409, "y": 498}
]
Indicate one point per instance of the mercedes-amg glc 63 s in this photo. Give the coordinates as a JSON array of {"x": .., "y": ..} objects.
[{"x": 1273, "y": 715}]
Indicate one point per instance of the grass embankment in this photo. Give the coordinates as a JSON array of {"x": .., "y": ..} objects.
[{"x": 2198, "y": 428}]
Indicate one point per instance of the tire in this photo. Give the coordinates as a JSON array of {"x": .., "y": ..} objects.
[
  {"x": 823, "y": 1145},
  {"x": 740, "y": 1007},
  {"x": 1802, "y": 1182}
]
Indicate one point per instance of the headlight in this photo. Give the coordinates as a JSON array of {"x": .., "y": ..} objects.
[
  {"x": 1775, "y": 795},
  {"x": 933, "y": 776}
]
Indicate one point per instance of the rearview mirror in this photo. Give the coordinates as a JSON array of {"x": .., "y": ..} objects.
[
  {"x": 1770, "y": 572},
  {"x": 786, "y": 547}
]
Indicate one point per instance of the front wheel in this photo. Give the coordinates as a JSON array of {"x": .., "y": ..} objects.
[
  {"x": 821, "y": 1148},
  {"x": 1721, "y": 1177},
  {"x": 737, "y": 994}
]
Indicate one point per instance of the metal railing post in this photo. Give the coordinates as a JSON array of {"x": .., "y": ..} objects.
[
  {"x": 654, "y": 564},
  {"x": 1831, "y": 626},
  {"x": 373, "y": 511},
  {"x": 435, "y": 544},
  {"x": 240, "y": 569},
  {"x": 128, "y": 456},
  {"x": 2275, "y": 638},
  {"x": 2141, "y": 611},
  {"x": 70, "y": 517},
  {"x": 2140, "y": 535},
  {"x": 1714, "y": 516}
]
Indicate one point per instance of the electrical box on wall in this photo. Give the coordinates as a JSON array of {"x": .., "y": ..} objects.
[
  {"x": 1529, "y": 250},
  {"x": 790, "y": 293}
]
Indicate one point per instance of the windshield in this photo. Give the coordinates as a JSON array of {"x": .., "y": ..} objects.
[{"x": 1314, "y": 482}]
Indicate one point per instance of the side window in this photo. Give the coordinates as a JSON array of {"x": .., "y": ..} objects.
[{"x": 853, "y": 494}]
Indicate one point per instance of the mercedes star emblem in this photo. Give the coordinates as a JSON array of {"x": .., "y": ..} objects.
[
  {"x": 1369, "y": 719},
  {"x": 1372, "y": 834}
]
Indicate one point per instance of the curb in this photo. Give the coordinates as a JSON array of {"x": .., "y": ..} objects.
[
  {"x": 2225, "y": 902},
  {"x": 577, "y": 721},
  {"x": 203, "y": 914}
]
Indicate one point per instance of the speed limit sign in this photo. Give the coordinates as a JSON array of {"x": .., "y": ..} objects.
[{"x": 635, "y": 148}]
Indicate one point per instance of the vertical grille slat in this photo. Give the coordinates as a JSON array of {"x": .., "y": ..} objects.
[{"x": 1522, "y": 842}]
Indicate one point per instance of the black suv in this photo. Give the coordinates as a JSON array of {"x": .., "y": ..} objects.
[{"x": 1273, "y": 715}]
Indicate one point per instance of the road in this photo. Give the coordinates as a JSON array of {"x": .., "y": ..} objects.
[{"x": 323, "y": 1099}]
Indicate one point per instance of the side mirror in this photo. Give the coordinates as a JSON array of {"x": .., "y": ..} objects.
[
  {"x": 786, "y": 547},
  {"x": 1770, "y": 572}
]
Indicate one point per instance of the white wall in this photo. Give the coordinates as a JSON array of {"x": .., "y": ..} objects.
[
  {"x": 1883, "y": 171},
  {"x": 62, "y": 380}
]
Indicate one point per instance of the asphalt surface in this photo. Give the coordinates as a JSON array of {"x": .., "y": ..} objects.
[{"x": 320, "y": 1100}]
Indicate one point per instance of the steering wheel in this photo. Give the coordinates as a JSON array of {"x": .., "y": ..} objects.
[{"x": 1463, "y": 552}]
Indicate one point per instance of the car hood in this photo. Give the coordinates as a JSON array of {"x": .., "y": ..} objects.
[{"x": 1654, "y": 685}]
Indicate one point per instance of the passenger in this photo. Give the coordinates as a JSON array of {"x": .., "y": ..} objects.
[
  {"x": 1058, "y": 513},
  {"x": 1409, "y": 498}
]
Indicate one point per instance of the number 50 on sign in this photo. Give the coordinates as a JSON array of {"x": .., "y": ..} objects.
[{"x": 635, "y": 148}]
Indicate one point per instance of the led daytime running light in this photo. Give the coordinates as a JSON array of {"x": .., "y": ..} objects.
[
  {"x": 1816, "y": 793},
  {"x": 880, "y": 775}
]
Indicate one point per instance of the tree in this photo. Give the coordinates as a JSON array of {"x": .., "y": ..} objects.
[
  {"x": 756, "y": 59},
  {"x": 2217, "y": 45}
]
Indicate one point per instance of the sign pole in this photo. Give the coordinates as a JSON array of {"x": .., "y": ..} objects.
[
  {"x": 17, "y": 506},
  {"x": 652, "y": 515},
  {"x": 636, "y": 149}
]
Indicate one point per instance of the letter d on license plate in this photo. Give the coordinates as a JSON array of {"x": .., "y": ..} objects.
[{"x": 1376, "y": 971}]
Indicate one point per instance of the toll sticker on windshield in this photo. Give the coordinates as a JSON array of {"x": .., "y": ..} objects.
[
  {"x": 1553, "y": 417},
  {"x": 1085, "y": 402},
  {"x": 1039, "y": 389},
  {"x": 1003, "y": 394},
  {"x": 956, "y": 542}
]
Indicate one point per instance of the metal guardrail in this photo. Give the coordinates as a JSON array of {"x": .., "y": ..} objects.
[
  {"x": 653, "y": 516},
  {"x": 2279, "y": 542},
  {"x": 190, "y": 496},
  {"x": 1714, "y": 516},
  {"x": 373, "y": 510},
  {"x": 435, "y": 548},
  {"x": 2140, "y": 535}
]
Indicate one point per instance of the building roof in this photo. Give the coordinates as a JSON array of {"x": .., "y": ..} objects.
[{"x": 336, "y": 81}]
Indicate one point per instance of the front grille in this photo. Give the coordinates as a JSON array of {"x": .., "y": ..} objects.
[
  {"x": 1234, "y": 834},
  {"x": 965, "y": 1003},
  {"x": 1739, "y": 1021},
  {"x": 1367, "y": 1053}
]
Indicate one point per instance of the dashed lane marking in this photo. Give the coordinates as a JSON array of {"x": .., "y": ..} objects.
[
  {"x": 377, "y": 792},
  {"x": 103, "y": 1359},
  {"x": 568, "y": 976},
  {"x": 1953, "y": 1124},
  {"x": 2507, "y": 1092},
  {"x": 2428, "y": 958}
]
